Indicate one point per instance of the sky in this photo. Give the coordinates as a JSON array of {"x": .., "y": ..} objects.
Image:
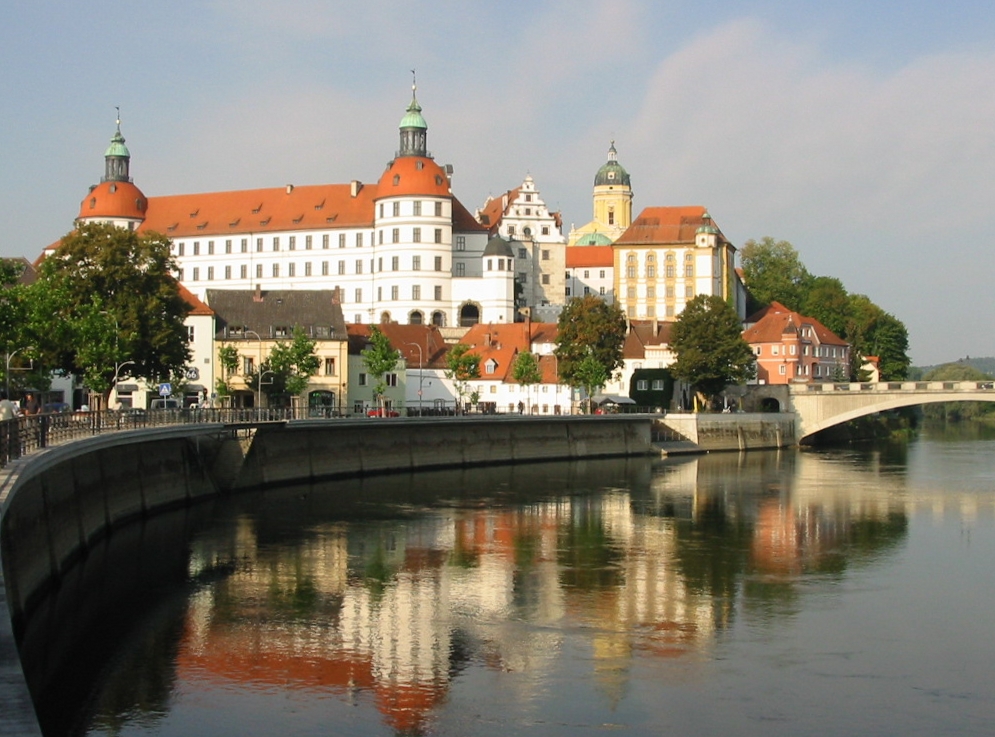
[{"x": 861, "y": 132}]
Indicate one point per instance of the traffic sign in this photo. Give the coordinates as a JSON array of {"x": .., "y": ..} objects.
[{"x": 165, "y": 390}]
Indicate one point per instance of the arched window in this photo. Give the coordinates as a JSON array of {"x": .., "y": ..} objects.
[
  {"x": 469, "y": 315},
  {"x": 416, "y": 318},
  {"x": 439, "y": 319},
  {"x": 384, "y": 318}
]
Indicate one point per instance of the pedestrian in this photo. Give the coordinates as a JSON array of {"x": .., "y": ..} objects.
[
  {"x": 31, "y": 406},
  {"x": 521, "y": 406},
  {"x": 10, "y": 444}
]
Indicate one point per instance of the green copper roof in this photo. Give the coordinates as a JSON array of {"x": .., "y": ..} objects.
[
  {"x": 594, "y": 239},
  {"x": 413, "y": 118},
  {"x": 612, "y": 173},
  {"x": 117, "y": 147},
  {"x": 706, "y": 226}
]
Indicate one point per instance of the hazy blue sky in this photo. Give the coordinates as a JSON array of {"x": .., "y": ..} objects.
[{"x": 862, "y": 132}]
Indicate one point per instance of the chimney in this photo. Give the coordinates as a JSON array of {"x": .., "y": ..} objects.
[
  {"x": 337, "y": 296},
  {"x": 258, "y": 296},
  {"x": 487, "y": 339},
  {"x": 656, "y": 327},
  {"x": 290, "y": 188},
  {"x": 354, "y": 186}
]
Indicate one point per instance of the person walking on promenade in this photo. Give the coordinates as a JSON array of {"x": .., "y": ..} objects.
[{"x": 10, "y": 446}]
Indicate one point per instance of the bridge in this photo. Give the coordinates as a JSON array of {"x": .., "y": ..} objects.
[{"x": 820, "y": 406}]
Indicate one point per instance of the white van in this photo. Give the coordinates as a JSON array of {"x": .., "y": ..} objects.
[{"x": 165, "y": 404}]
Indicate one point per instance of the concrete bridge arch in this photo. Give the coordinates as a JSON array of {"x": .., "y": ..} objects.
[{"x": 821, "y": 406}]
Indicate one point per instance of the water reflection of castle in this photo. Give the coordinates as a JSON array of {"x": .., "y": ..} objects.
[{"x": 393, "y": 611}]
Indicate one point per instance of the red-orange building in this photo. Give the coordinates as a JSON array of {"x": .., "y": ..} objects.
[{"x": 791, "y": 347}]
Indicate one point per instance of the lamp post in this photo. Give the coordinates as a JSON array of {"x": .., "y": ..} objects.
[
  {"x": 420, "y": 374},
  {"x": 117, "y": 373},
  {"x": 6, "y": 375},
  {"x": 259, "y": 349}
]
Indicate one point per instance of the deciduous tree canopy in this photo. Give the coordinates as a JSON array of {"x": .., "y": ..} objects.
[{"x": 708, "y": 343}]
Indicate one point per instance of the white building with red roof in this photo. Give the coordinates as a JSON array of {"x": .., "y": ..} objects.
[
  {"x": 404, "y": 249},
  {"x": 791, "y": 347},
  {"x": 591, "y": 270}
]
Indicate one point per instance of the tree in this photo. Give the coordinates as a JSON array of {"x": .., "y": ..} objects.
[
  {"x": 462, "y": 366},
  {"x": 825, "y": 299},
  {"x": 228, "y": 363},
  {"x": 107, "y": 296},
  {"x": 290, "y": 366},
  {"x": 379, "y": 358},
  {"x": 957, "y": 411},
  {"x": 589, "y": 328},
  {"x": 526, "y": 372},
  {"x": 873, "y": 332},
  {"x": 707, "y": 340},
  {"x": 773, "y": 272},
  {"x": 590, "y": 375}
]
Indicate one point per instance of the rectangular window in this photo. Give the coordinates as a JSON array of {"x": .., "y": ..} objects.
[
  {"x": 601, "y": 291},
  {"x": 359, "y": 266},
  {"x": 324, "y": 268},
  {"x": 601, "y": 274},
  {"x": 545, "y": 230},
  {"x": 630, "y": 272},
  {"x": 359, "y": 240},
  {"x": 782, "y": 369},
  {"x": 329, "y": 367},
  {"x": 358, "y": 296},
  {"x": 276, "y": 243},
  {"x": 291, "y": 269},
  {"x": 438, "y": 209},
  {"x": 461, "y": 268},
  {"x": 688, "y": 291},
  {"x": 245, "y": 245},
  {"x": 523, "y": 277},
  {"x": 259, "y": 271},
  {"x": 650, "y": 292},
  {"x": 292, "y": 245},
  {"x": 545, "y": 278},
  {"x": 307, "y": 268},
  {"x": 657, "y": 385},
  {"x": 324, "y": 241},
  {"x": 248, "y": 365},
  {"x": 395, "y": 235},
  {"x": 671, "y": 271},
  {"x": 522, "y": 253},
  {"x": 379, "y": 294},
  {"x": 461, "y": 243},
  {"x": 416, "y": 291},
  {"x": 438, "y": 263},
  {"x": 276, "y": 271},
  {"x": 587, "y": 291},
  {"x": 196, "y": 274},
  {"x": 642, "y": 385},
  {"x": 380, "y": 237},
  {"x": 394, "y": 292},
  {"x": 179, "y": 249},
  {"x": 228, "y": 246},
  {"x": 395, "y": 263},
  {"x": 307, "y": 243},
  {"x": 362, "y": 379},
  {"x": 416, "y": 208},
  {"x": 259, "y": 245},
  {"x": 438, "y": 294},
  {"x": 228, "y": 272},
  {"x": 630, "y": 292},
  {"x": 397, "y": 209},
  {"x": 341, "y": 240},
  {"x": 438, "y": 235},
  {"x": 545, "y": 255},
  {"x": 416, "y": 235},
  {"x": 342, "y": 267},
  {"x": 379, "y": 264},
  {"x": 210, "y": 273},
  {"x": 196, "y": 248},
  {"x": 416, "y": 263},
  {"x": 587, "y": 274},
  {"x": 390, "y": 379},
  {"x": 688, "y": 270},
  {"x": 774, "y": 350},
  {"x": 243, "y": 271}
]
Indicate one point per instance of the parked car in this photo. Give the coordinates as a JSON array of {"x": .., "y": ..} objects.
[
  {"x": 165, "y": 404},
  {"x": 56, "y": 407},
  {"x": 379, "y": 412}
]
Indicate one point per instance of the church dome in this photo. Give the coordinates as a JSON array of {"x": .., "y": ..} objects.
[
  {"x": 706, "y": 225},
  {"x": 117, "y": 147},
  {"x": 612, "y": 173}
]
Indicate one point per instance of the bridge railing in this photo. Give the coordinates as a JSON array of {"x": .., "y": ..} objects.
[{"x": 895, "y": 386}]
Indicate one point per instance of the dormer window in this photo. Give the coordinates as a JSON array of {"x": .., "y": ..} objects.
[{"x": 490, "y": 366}]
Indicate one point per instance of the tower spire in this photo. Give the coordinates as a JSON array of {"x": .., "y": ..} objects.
[
  {"x": 117, "y": 158},
  {"x": 413, "y": 128}
]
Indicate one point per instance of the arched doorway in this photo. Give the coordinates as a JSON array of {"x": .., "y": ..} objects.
[
  {"x": 469, "y": 315},
  {"x": 384, "y": 318},
  {"x": 769, "y": 404},
  {"x": 439, "y": 319}
]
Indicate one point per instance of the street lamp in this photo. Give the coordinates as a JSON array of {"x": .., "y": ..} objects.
[
  {"x": 117, "y": 373},
  {"x": 420, "y": 373},
  {"x": 6, "y": 375}
]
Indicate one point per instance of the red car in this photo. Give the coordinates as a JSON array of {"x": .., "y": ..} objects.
[{"x": 378, "y": 412}]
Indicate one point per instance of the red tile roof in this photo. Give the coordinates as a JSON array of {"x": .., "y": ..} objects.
[
  {"x": 409, "y": 175},
  {"x": 664, "y": 225},
  {"x": 775, "y": 320},
  {"x": 114, "y": 199},
  {"x": 597, "y": 256},
  {"x": 196, "y": 306},
  {"x": 404, "y": 338},
  {"x": 503, "y": 342}
]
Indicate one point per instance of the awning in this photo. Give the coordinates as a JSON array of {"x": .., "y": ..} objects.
[
  {"x": 127, "y": 388},
  {"x": 612, "y": 399}
]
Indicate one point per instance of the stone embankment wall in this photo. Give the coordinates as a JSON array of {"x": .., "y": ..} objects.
[
  {"x": 67, "y": 498},
  {"x": 734, "y": 431}
]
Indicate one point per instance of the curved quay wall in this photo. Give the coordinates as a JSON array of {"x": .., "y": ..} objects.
[{"x": 65, "y": 499}]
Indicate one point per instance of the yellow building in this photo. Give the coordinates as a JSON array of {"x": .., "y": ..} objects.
[{"x": 612, "y": 206}]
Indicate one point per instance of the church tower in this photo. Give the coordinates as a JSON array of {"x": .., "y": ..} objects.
[
  {"x": 116, "y": 199},
  {"x": 612, "y": 201}
]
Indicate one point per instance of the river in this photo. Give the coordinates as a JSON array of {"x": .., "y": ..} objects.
[{"x": 817, "y": 592}]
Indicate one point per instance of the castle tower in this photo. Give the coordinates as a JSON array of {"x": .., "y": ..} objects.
[
  {"x": 116, "y": 199},
  {"x": 612, "y": 201}
]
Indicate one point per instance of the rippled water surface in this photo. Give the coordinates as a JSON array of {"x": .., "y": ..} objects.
[{"x": 791, "y": 593}]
